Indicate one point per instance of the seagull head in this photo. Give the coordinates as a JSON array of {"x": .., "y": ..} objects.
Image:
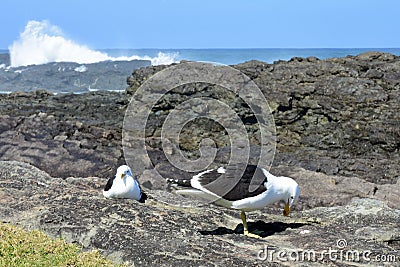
[
  {"x": 123, "y": 171},
  {"x": 291, "y": 195}
]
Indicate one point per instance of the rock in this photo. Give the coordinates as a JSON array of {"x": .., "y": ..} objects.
[
  {"x": 337, "y": 190},
  {"x": 66, "y": 134},
  {"x": 68, "y": 76},
  {"x": 60, "y": 137},
  {"x": 337, "y": 135},
  {"x": 141, "y": 75},
  {"x": 337, "y": 116},
  {"x": 169, "y": 229},
  {"x": 373, "y": 74}
]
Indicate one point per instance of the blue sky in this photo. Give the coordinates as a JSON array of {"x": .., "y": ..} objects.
[{"x": 211, "y": 23}]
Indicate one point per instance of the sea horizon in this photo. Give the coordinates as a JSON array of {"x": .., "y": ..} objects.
[{"x": 228, "y": 56}]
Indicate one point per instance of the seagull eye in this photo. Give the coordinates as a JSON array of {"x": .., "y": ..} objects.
[{"x": 291, "y": 197}]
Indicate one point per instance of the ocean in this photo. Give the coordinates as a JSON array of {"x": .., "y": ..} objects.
[
  {"x": 24, "y": 69},
  {"x": 219, "y": 55},
  {"x": 235, "y": 56}
]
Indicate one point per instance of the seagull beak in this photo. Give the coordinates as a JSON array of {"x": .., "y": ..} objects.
[{"x": 286, "y": 211}]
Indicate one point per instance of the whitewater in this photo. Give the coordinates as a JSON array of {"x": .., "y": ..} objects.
[
  {"x": 43, "y": 57},
  {"x": 41, "y": 43}
]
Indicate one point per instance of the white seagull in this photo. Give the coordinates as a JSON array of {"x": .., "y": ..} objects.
[
  {"x": 124, "y": 185},
  {"x": 253, "y": 189}
]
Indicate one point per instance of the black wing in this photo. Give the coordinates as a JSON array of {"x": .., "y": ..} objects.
[
  {"x": 235, "y": 184},
  {"x": 109, "y": 184}
]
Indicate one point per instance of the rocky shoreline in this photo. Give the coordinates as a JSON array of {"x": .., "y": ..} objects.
[
  {"x": 338, "y": 116},
  {"x": 66, "y": 77},
  {"x": 338, "y": 133}
]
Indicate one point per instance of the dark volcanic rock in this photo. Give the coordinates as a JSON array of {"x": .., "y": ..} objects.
[
  {"x": 68, "y": 76},
  {"x": 337, "y": 116},
  {"x": 169, "y": 230},
  {"x": 65, "y": 135},
  {"x": 332, "y": 116}
]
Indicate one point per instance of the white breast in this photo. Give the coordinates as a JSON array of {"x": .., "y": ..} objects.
[{"x": 124, "y": 188}]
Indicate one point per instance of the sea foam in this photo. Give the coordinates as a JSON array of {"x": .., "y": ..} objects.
[{"x": 41, "y": 43}]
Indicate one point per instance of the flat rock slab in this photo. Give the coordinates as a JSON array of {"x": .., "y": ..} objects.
[{"x": 169, "y": 230}]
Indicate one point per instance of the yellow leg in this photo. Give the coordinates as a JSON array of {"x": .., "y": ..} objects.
[{"x": 246, "y": 229}]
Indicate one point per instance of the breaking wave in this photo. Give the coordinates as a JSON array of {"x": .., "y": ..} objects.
[{"x": 42, "y": 42}]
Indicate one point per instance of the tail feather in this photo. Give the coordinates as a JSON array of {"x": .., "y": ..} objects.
[
  {"x": 143, "y": 197},
  {"x": 180, "y": 182}
]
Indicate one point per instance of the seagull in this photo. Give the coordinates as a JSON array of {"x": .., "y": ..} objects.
[
  {"x": 124, "y": 185},
  {"x": 242, "y": 187}
]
